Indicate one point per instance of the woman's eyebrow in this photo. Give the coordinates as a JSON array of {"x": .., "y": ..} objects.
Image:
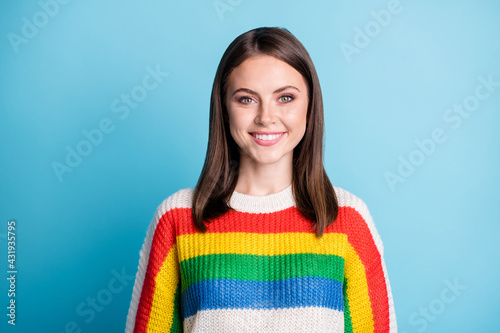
[
  {"x": 285, "y": 88},
  {"x": 250, "y": 91},
  {"x": 245, "y": 90}
]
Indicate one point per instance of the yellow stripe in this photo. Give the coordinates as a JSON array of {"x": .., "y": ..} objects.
[
  {"x": 260, "y": 244},
  {"x": 162, "y": 309},
  {"x": 290, "y": 243},
  {"x": 357, "y": 293}
]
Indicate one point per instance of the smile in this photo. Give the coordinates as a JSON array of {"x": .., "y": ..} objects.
[{"x": 267, "y": 140}]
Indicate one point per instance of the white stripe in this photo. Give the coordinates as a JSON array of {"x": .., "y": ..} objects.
[
  {"x": 393, "y": 326},
  {"x": 305, "y": 319},
  {"x": 262, "y": 204}
]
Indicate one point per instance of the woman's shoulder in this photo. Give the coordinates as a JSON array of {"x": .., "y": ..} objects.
[
  {"x": 182, "y": 198},
  {"x": 349, "y": 199}
]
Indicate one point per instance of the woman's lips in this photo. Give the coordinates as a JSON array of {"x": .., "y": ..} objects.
[{"x": 267, "y": 142}]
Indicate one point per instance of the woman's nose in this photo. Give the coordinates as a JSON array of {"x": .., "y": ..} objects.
[{"x": 266, "y": 113}]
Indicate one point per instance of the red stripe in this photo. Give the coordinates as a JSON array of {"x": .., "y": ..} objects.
[
  {"x": 246, "y": 222},
  {"x": 163, "y": 240}
]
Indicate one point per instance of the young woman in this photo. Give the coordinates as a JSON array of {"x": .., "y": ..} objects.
[{"x": 264, "y": 242}]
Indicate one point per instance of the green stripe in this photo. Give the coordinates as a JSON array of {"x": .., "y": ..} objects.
[
  {"x": 176, "y": 320},
  {"x": 260, "y": 268},
  {"x": 347, "y": 313}
]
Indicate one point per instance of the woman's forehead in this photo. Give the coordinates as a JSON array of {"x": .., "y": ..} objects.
[{"x": 265, "y": 72}]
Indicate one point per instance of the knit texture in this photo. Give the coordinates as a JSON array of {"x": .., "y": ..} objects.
[{"x": 260, "y": 268}]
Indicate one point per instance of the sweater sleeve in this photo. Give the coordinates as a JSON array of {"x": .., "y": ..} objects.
[
  {"x": 368, "y": 302},
  {"x": 155, "y": 304}
]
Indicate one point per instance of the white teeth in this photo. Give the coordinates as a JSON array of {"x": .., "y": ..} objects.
[{"x": 267, "y": 137}]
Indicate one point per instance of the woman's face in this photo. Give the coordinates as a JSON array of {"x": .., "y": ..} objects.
[{"x": 266, "y": 95}]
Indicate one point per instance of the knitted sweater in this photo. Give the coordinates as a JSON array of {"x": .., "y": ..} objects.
[{"x": 260, "y": 268}]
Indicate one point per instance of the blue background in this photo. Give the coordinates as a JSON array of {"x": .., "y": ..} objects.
[{"x": 76, "y": 231}]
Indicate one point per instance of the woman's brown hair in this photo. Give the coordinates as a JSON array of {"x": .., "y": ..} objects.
[{"x": 313, "y": 193}]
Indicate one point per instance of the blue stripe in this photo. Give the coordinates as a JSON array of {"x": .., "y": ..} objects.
[{"x": 236, "y": 294}]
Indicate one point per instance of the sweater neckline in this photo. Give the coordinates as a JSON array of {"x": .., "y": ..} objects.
[{"x": 262, "y": 204}]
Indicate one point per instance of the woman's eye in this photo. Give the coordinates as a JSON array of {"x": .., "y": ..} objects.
[
  {"x": 245, "y": 100},
  {"x": 286, "y": 98}
]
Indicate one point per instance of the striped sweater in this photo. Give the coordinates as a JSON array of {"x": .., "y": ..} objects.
[{"x": 260, "y": 268}]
